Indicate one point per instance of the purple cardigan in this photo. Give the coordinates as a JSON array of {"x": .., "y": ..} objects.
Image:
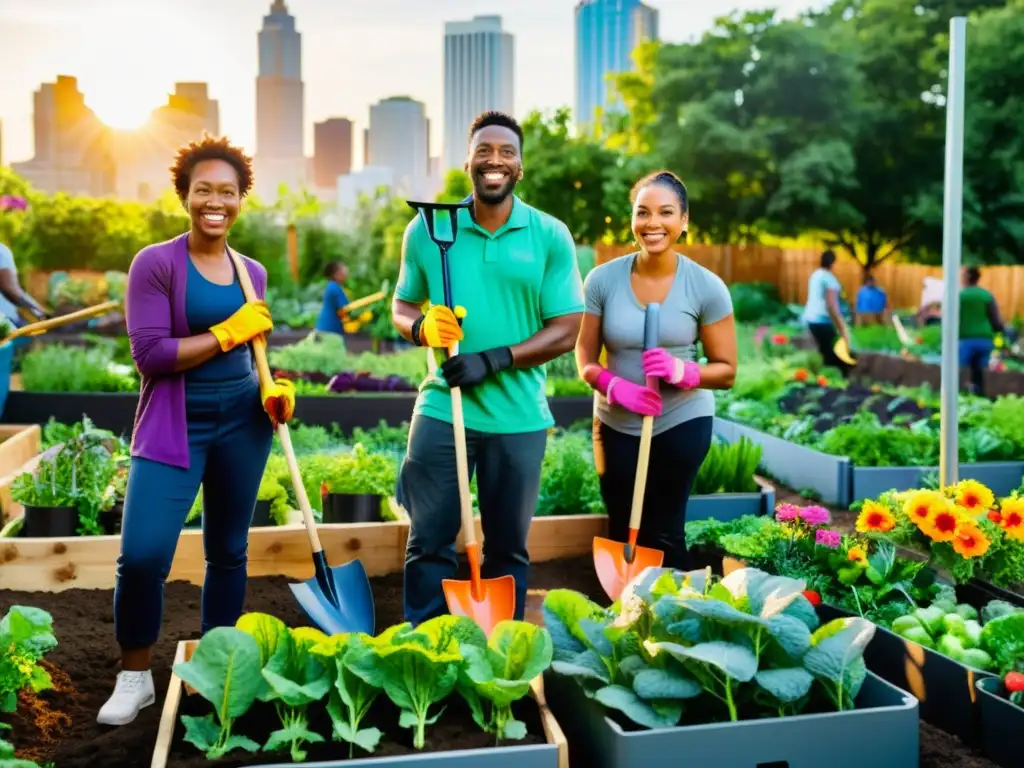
[{"x": 155, "y": 314}]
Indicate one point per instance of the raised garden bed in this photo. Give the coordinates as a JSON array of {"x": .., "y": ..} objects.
[
  {"x": 19, "y": 452},
  {"x": 87, "y": 666},
  {"x": 1002, "y": 722},
  {"x": 835, "y": 480},
  {"x": 900, "y": 371},
  {"x": 454, "y": 742},
  {"x": 116, "y": 410}
]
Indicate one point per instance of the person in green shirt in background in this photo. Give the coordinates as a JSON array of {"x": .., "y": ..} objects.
[
  {"x": 979, "y": 323},
  {"x": 516, "y": 282}
]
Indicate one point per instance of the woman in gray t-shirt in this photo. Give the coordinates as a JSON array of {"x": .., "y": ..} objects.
[{"x": 665, "y": 382}]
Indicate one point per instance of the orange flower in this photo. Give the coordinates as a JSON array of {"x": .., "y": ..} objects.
[
  {"x": 875, "y": 518},
  {"x": 969, "y": 540},
  {"x": 942, "y": 525},
  {"x": 857, "y": 555},
  {"x": 822, "y": 381},
  {"x": 1011, "y": 518},
  {"x": 800, "y": 375},
  {"x": 974, "y": 497},
  {"x": 995, "y": 517}
]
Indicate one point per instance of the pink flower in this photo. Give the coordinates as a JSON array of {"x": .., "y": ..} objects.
[
  {"x": 760, "y": 333},
  {"x": 827, "y": 538},
  {"x": 12, "y": 203},
  {"x": 815, "y": 515},
  {"x": 785, "y": 512}
]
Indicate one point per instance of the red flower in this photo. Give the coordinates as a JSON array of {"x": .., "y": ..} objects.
[
  {"x": 994, "y": 516},
  {"x": 800, "y": 375},
  {"x": 780, "y": 338},
  {"x": 822, "y": 381},
  {"x": 1014, "y": 681},
  {"x": 815, "y": 599}
]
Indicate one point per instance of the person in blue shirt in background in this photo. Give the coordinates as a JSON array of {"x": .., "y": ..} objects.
[
  {"x": 872, "y": 303},
  {"x": 823, "y": 314},
  {"x": 333, "y": 317}
]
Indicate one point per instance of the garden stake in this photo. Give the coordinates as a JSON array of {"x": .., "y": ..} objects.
[
  {"x": 485, "y": 601},
  {"x": 320, "y": 597},
  {"x": 616, "y": 563}
]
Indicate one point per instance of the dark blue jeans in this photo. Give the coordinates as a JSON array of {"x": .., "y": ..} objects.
[
  {"x": 508, "y": 484},
  {"x": 229, "y": 438},
  {"x": 974, "y": 355}
]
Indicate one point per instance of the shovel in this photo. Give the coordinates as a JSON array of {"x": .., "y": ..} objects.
[
  {"x": 486, "y": 601},
  {"x": 34, "y": 329},
  {"x": 616, "y": 563},
  {"x": 842, "y": 351},
  {"x": 320, "y": 597}
]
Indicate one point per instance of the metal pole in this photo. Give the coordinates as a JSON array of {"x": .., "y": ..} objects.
[{"x": 951, "y": 245}]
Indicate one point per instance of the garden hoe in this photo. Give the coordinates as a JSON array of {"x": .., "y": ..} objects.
[
  {"x": 485, "y": 601},
  {"x": 616, "y": 563},
  {"x": 339, "y": 598}
]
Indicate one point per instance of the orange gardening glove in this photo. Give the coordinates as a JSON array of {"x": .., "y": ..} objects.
[
  {"x": 279, "y": 401},
  {"x": 251, "y": 320}
]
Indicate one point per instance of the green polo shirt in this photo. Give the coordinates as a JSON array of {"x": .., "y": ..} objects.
[{"x": 510, "y": 283}]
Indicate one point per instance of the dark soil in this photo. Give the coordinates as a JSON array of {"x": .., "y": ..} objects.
[
  {"x": 60, "y": 725},
  {"x": 832, "y": 407}
]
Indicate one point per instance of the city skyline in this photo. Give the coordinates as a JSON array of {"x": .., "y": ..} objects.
[{"x": 127, "y": 57}]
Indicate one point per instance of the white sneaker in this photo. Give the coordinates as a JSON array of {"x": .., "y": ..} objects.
[{"x": 133, "y": 691}]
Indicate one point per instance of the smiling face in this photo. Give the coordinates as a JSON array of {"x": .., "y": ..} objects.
[
  {"x": 495, "y": 164},
  {"x": 213, "y": 198},
  {"x": 658, "y": 218}
]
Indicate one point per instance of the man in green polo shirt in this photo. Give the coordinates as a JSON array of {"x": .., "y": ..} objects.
[{"x": 515, "y": 281}]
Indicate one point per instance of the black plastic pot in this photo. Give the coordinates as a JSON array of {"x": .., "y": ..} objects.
[
  {"x": 261, "y": 515},
  {"x": 977, "y": 593},
  {"x": 352, "y": 508},
  {"x": 49, "y": 522},
  {"x": 111, "y": 519}
]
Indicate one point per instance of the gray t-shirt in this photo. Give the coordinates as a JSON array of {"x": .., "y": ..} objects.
[
  {"x": 7, "y": 309},
  {"x": 698, "y": 297}
]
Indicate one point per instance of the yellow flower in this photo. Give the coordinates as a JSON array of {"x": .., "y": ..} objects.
[
  {"x": 974, "y": 497},
  {"x": 1011, "y": 518},
  {"x": 920, "y": 506},
  {"x": 874, "y": 517},
  {"x": 970, "y": 541},
  {"x": 857, "y": 555}
]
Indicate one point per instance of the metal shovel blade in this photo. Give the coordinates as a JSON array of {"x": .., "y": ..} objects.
[
  {"x": 351, "y": 610},
  {"x": 614, "y": 571},
  {"x": 497, "y": 601}
]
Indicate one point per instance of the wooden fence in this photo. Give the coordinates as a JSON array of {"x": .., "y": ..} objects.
[{"x": 789, "y": 269}]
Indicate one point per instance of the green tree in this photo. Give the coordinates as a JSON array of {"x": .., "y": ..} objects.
[{"x": 457, "y": 187}]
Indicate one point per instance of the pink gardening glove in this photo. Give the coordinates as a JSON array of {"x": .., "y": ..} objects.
[
  {"x": 633, "y": 397},
  {"x": 680, "y": 373}
]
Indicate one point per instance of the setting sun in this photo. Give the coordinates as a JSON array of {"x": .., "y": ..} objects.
[{"x": 117, "y": 112}]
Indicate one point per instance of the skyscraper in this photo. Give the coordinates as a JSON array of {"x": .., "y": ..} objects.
[
  {"x": 279, "y": 103},
  {"x": 478, "y": 76},
  {"x": 607, "y": 33},
  {"x": 332, "y": 151},
  {"x": 397, "y": 139}
]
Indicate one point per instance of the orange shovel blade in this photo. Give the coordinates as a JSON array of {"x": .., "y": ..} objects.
[
  {"x": 614, "y": 572},
  {"x": 485, "y": 601},
  {"x": 497, "y": 603}
]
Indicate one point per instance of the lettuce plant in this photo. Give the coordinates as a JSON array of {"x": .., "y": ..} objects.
[
  {"x": 297, "y": 679},
  {"x": 26, "y": 635},
  {"x": 744, "y": 646},
  {"x": 498, "y": 674},
  {"x": 419, "y": 667},
  {"x": 224, "y": 670},
  {"x": 351, "y": 697}
]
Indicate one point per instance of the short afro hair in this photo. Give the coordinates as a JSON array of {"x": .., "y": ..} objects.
[
  {"x": 210, "y": 148},
  {"x": 501, "y": 119}
]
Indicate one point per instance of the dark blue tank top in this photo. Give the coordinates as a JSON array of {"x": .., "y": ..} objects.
[{"x": 207, "y": 304}]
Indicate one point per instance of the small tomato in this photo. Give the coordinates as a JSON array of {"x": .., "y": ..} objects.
[
  {"x": 815, "y": 599},
  {"x": 1014, "y": 681}
]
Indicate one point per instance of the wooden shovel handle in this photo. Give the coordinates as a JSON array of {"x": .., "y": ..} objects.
[{"x": 55, "y": 322}]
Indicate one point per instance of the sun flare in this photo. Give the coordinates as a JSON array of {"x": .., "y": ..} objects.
[{"x": 120, "y": 113}]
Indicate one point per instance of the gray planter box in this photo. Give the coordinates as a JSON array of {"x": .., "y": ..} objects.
[
  {"x": 1002, "y": 477},
  {"x": 1002, "y": 723},
  {"x": 944, "y": 687},
  {"x": 882, "y": 731},
  {"x": 511, "y": 756},
  {"x": 794, "y": 465},
  {"x": 729, "y": 506}
]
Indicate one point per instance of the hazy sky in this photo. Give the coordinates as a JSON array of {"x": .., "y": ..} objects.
[{"x": 127, "y": 54}]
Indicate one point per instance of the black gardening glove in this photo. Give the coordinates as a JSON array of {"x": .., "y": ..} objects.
[{"x": 470, "y": 369}]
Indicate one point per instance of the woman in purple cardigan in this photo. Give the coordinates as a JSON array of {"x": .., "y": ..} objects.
[{"x": 201, "y": 419}]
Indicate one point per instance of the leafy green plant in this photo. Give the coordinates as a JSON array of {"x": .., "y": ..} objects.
[
  {"x": 361, "y": 472},
  {"x": 499, "y": 673},
  {"x": 7, "y": 757},
  {"x": 57, "y": 368},
  {"x": 26, "y": 635},
  {"x": 351, "y": 696},
  {"x": 743, "y": 646},
  {"x": 729, "y": 468}
]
